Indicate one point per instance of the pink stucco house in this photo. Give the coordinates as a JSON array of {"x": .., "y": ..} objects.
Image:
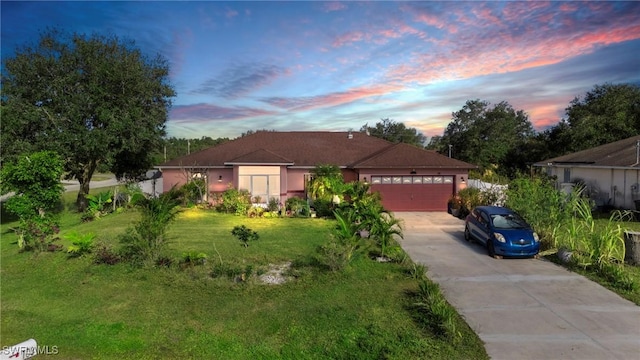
[{"x": 277, "y": 164}]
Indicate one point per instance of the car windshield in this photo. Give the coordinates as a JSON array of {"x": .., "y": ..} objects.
[{"x": 508, "y": 221}]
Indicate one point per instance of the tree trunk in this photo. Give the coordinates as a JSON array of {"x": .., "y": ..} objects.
[
  {"x": 81, "y": 200},
  {"x": 84, "y": 179}
]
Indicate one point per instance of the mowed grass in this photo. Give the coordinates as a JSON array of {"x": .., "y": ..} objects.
[{"x": 119, "y": 312}]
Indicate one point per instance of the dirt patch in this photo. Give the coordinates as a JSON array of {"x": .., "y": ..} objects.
[{"x": 275, "y": 274}]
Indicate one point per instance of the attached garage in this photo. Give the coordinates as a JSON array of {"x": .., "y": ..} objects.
[{"x": 414, "y": 193}]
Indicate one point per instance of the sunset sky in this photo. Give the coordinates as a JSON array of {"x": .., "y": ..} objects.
[{"x": 306, "y": 65}]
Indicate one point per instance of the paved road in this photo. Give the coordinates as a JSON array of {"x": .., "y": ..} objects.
[
  {"x": 74, "y": 186},
  {"x": 522, "y": 308}
]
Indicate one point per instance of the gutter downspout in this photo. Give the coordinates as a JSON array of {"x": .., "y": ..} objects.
[{"x": 637, "y": 154}]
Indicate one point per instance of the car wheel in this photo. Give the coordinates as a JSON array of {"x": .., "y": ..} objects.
[
  {"x": 467, "y": 233},
  {"x": 491, "y": 250}
]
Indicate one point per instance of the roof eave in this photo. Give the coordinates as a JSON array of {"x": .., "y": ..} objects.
[
  {"x": 591, "y": 166},
  {"x": 233, "y": 163},
  {"x": 190, "y": 166}
]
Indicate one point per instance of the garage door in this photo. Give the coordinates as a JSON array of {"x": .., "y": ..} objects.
[{"x": 413, "y": 193}]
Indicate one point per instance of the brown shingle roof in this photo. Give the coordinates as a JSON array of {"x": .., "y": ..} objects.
[
  {"x": 309, "y": 149},
  {"x": 621, "y": 153},
  {"x": 404, "y": 155},
  {"x": 260, "y": 156}
]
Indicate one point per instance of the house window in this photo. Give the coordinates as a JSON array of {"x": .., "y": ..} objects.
[
  {"x": 567, "y": 175},
  {"x": 262, "y": 182},
  {"x": 407, "y": 180}
]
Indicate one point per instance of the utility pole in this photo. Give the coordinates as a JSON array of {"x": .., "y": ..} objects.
[{"x": 450, "y": 146}]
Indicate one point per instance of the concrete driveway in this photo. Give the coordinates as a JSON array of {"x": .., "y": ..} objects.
[{"x": 522, "y": 308}]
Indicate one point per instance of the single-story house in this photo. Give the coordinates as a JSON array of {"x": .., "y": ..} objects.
[
  {"x": 273, "y": 164},
  {"x": 611, "y": 172}
]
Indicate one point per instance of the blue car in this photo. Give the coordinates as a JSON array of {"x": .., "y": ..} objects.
[{"x": 502, "y": 231}]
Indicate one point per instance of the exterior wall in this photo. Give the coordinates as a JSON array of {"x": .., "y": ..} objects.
[
  {"x": 349, "y": 175},
  {"x": 172, "y": 177},
  {"x": 217, "y": 184},
  {"x": 615, "y": 187},
  {"x": 178, "y": 177},
  {"x": 295, "y": 183}
]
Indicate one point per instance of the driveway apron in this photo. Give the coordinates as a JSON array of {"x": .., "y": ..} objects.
[{"x": 522, "y": 308}]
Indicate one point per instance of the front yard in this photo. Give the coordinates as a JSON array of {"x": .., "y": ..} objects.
[{"x": 208, "y": 311}]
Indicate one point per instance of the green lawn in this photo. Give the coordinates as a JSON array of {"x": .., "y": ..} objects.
[{"x": 120, "y": 312}]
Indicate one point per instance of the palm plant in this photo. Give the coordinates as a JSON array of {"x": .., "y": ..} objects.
[
  {"x": 346, "y": 231},
  {"x": 384, "y": 228},
  {"x": 146, "y": 240},
  {"x": 326, "y": 182}
]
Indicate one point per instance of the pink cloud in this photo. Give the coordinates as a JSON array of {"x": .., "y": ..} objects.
[
  {"x": 331, "y": 99},
  {"x": 493, "y": 51},
  {"x": 436, "y": 20},
  {"x": 348, "y": 37},
  {"x": 334, "y": 6}
]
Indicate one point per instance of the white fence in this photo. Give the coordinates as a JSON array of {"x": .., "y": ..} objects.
[{"x": 499, "y": 190}]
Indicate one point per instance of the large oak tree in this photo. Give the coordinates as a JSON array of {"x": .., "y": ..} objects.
[
  {"x": 605, "y": 114},
  {"x": 489, "y": 136},
  {"x": 395, "y": 132},
  {"x": 92, "y": 99}
]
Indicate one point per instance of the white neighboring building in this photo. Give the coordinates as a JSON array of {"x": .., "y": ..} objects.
[{"x": 611, "y": 172}]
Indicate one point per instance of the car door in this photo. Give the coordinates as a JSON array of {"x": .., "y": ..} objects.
[{"x": 481, "y": 228}]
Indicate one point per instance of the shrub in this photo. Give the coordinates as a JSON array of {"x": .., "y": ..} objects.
[
  {"x": 273, "y": 205},
  {"x": 35, "y": 181},
  {"x": 244, "y": 234},
  {"x": 255, "y": 211},
  {"x": 194, "y": 191},
  {"x": 38, "y": 233},
  {"x": 297, "y": 206},
  {"x": 97, "y": 205},
  {"x": 333, "y": 254},
  {"x": 469, "y": 198},
  {"x": 193, "y": 258},
  {"x": 323, "y": 208},
  {"x": 81, "y": 243},
  {"x": 235, "y": 201}
]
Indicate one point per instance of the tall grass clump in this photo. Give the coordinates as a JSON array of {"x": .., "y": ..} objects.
[
  {"x": 540, "y": 204},
  {"x": 433, "y": 310},
  {"x": 565, "y": 221}
]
